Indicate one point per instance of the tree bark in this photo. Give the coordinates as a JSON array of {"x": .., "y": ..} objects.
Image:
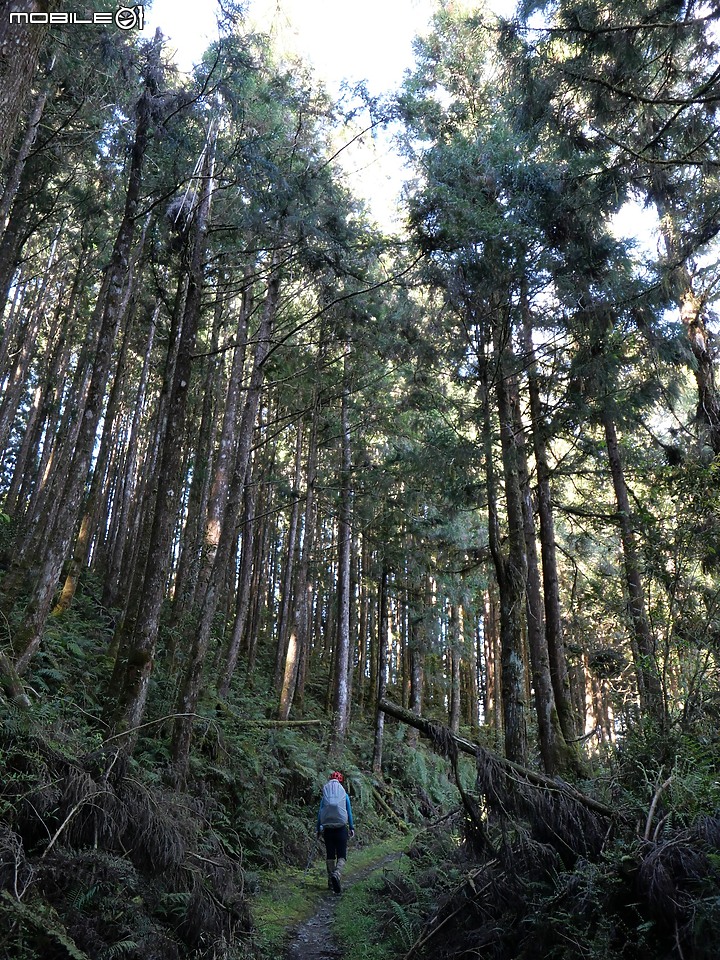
[
  {"x": 20, "y": 45},
  {"x": 92, "y": 502},
  {"x": 693, "y": 307},
  {"x": 454, "y": 656},
  {"x": 138, "y": 668},
  {"x": 242, "y": 599},
  {"x": 363, "y": 621},
  {"x": 342, "y": 644},
  {"x": 548, "y": 552},
  {"x": 646, "y": 667},
  {"x": 300, "y": 633},
  {"x": 227, "y": 446},
  {"x": 382, "y": 656},
  {"x": 286, "y": 612},
  {"x": 26, "y": 347},
  {"x": 12, "y": 184},
  {"x": 190, "y": 687},
  {"x": 553, "y": 784},
  {"x": 129, "y": 478},
  {"x": 45, "y": 411},
  {"x": 557, "y": 755},
  {"x": 189, "y": 563},
  {"x": 510, "y": 569},
  {"x": 108, "y": 307}
]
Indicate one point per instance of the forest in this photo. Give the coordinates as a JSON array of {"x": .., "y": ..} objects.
[{"x": 284, "y": 491}]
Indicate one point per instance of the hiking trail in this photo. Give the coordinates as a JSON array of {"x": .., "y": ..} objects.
[{"x": 314, "y": 939}]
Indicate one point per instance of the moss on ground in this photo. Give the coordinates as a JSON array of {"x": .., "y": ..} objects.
[
  {"x": 288, "y": 897},
  {"x": 361, "y": 920}
]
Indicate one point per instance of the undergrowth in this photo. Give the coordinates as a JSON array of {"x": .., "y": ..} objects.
[
  {"x": 102, "y": 857},
  {"x": 539, "y": 877},
  {"x": 367, "y": 933}
]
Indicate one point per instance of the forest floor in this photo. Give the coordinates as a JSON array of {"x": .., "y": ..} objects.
[
  {"x": 315, "y": 939},
  {"x": 295, "y": 914}
]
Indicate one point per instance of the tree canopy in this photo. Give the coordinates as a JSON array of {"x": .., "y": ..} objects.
[{"x": 264, "y": 462}]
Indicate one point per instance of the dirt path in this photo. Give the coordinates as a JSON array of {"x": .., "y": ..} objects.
[{"x": 314, "y": 940}]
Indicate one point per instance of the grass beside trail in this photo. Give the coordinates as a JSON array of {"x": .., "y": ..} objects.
[
  {"x": 359, "y": 928},
  {"x": 288, "y": 897}
]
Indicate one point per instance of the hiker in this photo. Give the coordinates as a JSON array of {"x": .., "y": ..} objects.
[{"x": 334, "y": 822}]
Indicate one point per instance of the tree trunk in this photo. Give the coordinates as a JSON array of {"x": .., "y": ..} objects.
[
  {"x": 227, "y": 447},
  {"x": 188, "y": 568},
  {"x": 13, "y": 241},
  {"x": 109, "y": 307},
  {"x": 478, "y": 752},
  {"x": 557, "y": 755},
  {"x": 693, "y": 308},
  {"x": 511, "y": 570},
  {"x": 89, "y": 518},
  {"x": 454, "y": 656},
  {"x": 44, "y": 413},
  {"x": 416, "y": 680},
  {"x": 12, "y": 183},
  {"x": 132, "y": 696},
  {"x": 646, "y": 667},
  {"x": 129, "y": 479},
  {"x": 242, "y": 600},
  {"x": 493, "y": 678},
  {"x": 363, "y": 622},
  {"x": 353, "y": 626},
  {"x": 286, "y": 613},
  {"x": 190, "y": 687},
  {"x": 342, "y": 644},
  {"x": 382, "y": 655},
  {"x": 300, "y": 634},
  {"x": 26, "y": 347},
  {"x": 258, "y": 579},
  {"x": 418, "y": 599},
  {"x": 20, "y": 45},
  {"x": 548, "y": 552}
]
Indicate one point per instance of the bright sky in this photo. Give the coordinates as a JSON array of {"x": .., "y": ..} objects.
[
  {"x": 343, "y": 39},
  {"x": 370, "y": 41}
]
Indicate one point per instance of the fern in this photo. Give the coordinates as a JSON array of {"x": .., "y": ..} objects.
[
  {"x": 175, "y": 904},
  {"x": 121, "y": 949},
  {"x": 405, "y": 926},
  {"x": 45, "y": 920},
  {"x": 80, "y": 898}
]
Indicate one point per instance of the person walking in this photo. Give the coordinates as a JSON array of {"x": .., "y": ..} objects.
[{"x": 334, "y": 825}]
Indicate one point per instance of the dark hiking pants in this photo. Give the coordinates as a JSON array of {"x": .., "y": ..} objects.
[{"x": 336, "y": 840}]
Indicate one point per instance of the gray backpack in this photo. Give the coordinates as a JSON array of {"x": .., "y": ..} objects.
[{"x": 333, "y": 812}]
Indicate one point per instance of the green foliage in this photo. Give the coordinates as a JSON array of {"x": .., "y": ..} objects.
[
  {"x": 686, "y": 768},
  {"x": 42, "y": 925},
  {"x": 98, "y": 858},
  {"x": 357, "y": 928}
]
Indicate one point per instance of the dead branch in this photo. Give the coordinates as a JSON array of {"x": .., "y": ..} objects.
[
  {"x": 512, "y": 769},
  {"x": 653, "y": 806},
  {"x": 469, "y": 880}
]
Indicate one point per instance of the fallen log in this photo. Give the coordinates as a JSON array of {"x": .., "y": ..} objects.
[
  {"x": 431, "y": 730},
  {"x": 389, "y": 810}
]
